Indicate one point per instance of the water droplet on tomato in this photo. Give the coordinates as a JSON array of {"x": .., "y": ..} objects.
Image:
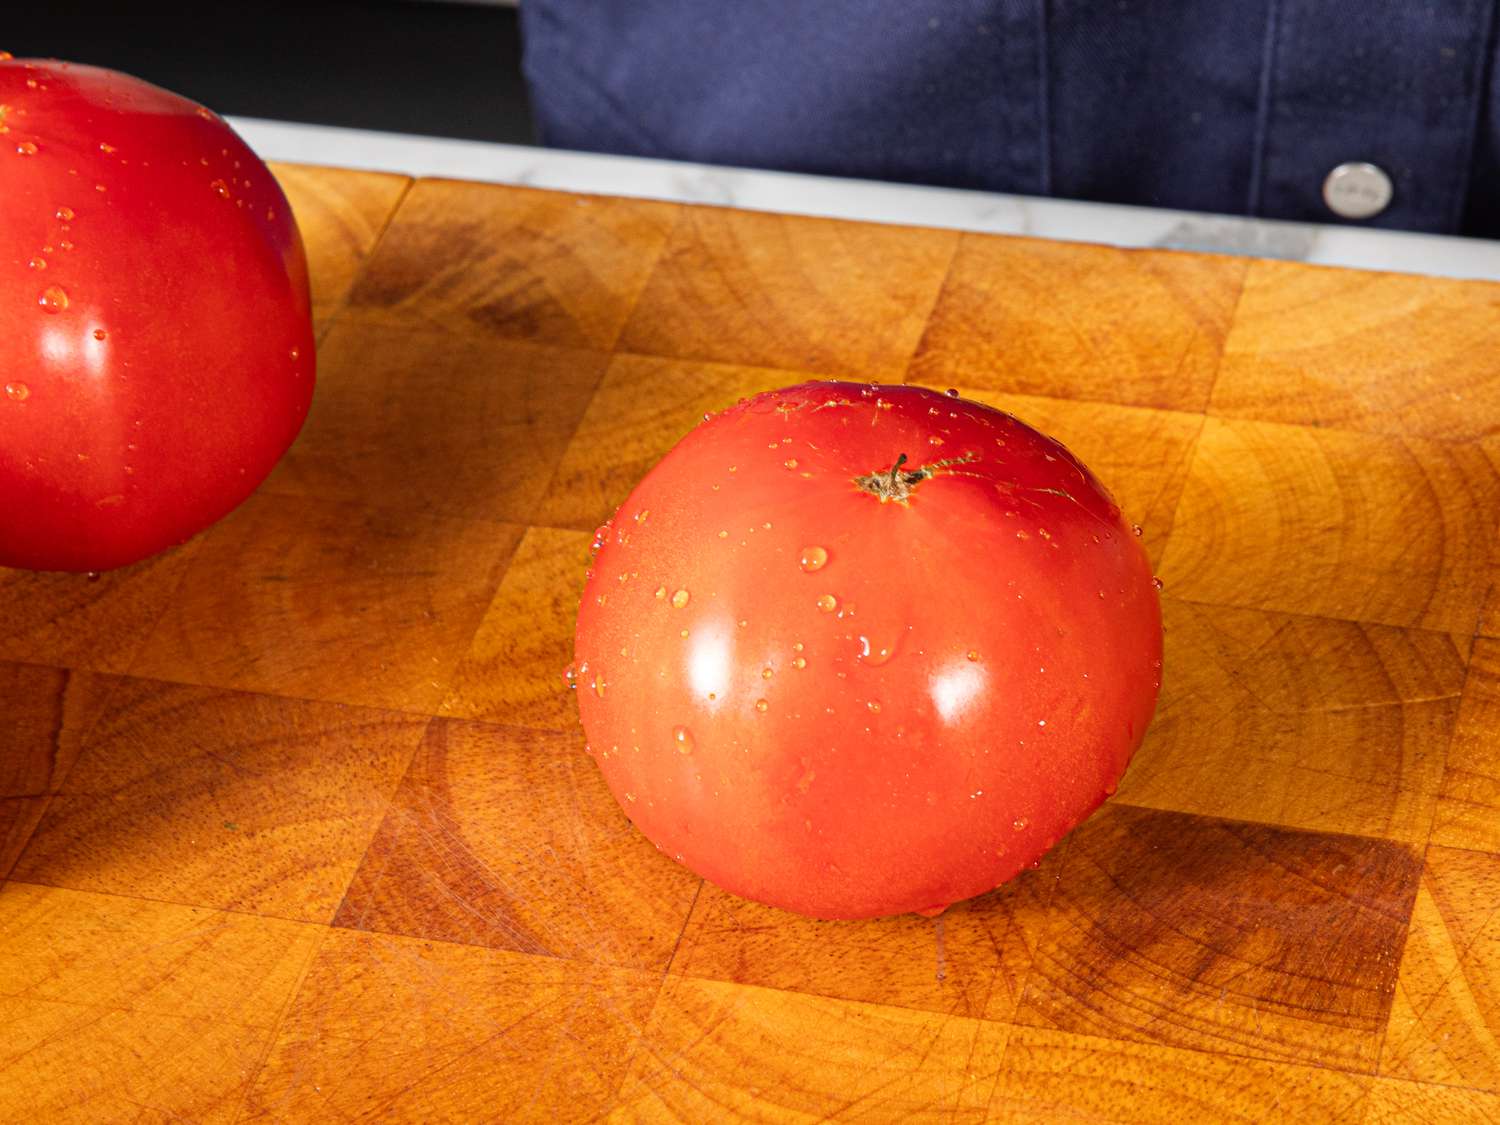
[
  {"x": 65, "y": 214},
  {"x": 723, "y": 535},
  {"x": 951, "y": 392},
  {"x": 934, "y": 440},
  {"x": 973, "y": 654},
  {"x": 65, "y": 244},
  {"x": 813, "y": 558},
  {"x": 874, "y": 653},
  {"x": 53, "y": 299},
  {"x": 742, "y": 622},
  {"x": 790, "y": 462},
  {"x": 1020, "y": 823},
  {"x": 26, "y": 148},
  {"x": 599, "y": 686},
  {"x": 570, "y": 677},
  {"x": 874, "y": 706},
  {"x": 799, "y": 662},
  {"x": 828, "y": 603},
  {"x": 762, "y": 706},
  {"x": 220, "y": 188},
  {"x": 106, "y": 148},
  {"x": 94, "y": 576},
  {"x": 683, "y": 739},
  {"x": 18, "y": 392},
  {"x": 680, "y": 598},
  {"x": 766, "y": 673},
  {"x": 38, "y": 263},
  {"x": 1137, "y": 529},
  {"x": 100, "y": 334},
  {"x": 1111, "y": 788},
  {"x": 1157, "y": 582},
  {"x": 661, "y": 593}
]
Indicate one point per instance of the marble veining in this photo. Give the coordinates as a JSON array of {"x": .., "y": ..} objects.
[{"x": 791, "y": 193}]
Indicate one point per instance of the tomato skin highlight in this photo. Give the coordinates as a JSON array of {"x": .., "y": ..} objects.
[
  {"x": 849, "y": 706},
  {"x": 154, "y": 301}
]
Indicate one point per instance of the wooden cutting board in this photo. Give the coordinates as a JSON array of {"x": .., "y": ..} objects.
[{"x": 297, "y": 822}]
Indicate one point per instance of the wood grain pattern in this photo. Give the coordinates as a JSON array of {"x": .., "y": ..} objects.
[
  {"x": 728, "y": 1052},
  {"x": 1489, "y": 615},
  {"x": 49, "y": 712},
  {"x": 1445, "y": 1024},
  {"x": 1379, "y": 352},
  {"x": 73, "y": 621},
  {"x": 340, "y": 213},
  {"x": 511, "y": 262},
  {"x": 1393, "y": 1102},
  {"x": 1468, "y": 808},
  {"x": 970, "y": 961},
  {"x": 296, "y": 821},
  {"x": 1055, "y": 1076},
  {"x": 1336, "y": 524},
  {"x": 324, "y": 600},
  {"x": 180, "y": 791},
  {"x": 513, "y": 671},
  {"x": 1306, "y": 722},
  {"x": 392, "y": 1028},
  {"x": 586, "y": 887},
  {"x": 123, "y": 1009},
  {"x": 1138, "y": 327},
  {"x": 423, "y": 421},
  {"x": 844, "y": 299},
  {"x": 642, "y": 408},
  {"x": 1242, "y": 964}
]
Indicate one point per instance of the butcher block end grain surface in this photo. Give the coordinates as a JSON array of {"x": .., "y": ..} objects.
[{"x": 296, "y": 823}]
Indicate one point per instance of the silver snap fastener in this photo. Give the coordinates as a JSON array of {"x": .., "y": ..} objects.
[{"x": 1357, "y": 190}]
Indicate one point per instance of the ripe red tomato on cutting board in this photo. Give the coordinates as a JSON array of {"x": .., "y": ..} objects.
[
  {"x": 859, "y": 650},
  {"x": 154, "y": 306}
]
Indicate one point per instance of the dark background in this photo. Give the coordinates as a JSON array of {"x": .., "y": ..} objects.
[{"x": 440, "y": 69}]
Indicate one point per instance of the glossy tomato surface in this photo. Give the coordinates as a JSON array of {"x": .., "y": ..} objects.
[
  {"x": 158, "y": 354},
  {"x": 847, "y": 685}
]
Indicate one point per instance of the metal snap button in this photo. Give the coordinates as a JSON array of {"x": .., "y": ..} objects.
[{"x": 1357, "y": 190}]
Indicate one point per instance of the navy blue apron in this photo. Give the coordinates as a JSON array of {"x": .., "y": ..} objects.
[{"x": 1236, "y": 106}]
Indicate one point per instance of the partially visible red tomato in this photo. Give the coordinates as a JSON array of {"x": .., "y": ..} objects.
[
  {"x": 859, "y": 650},
  {"x": 158, "y": 350}
]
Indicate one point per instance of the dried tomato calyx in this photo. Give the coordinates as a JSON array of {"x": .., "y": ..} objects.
[{"x": 896, "y": 485}]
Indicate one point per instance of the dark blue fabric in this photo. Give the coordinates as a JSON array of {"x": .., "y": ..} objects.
[{"x": 1236, "y": 106}]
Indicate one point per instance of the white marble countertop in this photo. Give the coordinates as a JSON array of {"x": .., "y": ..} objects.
[{"x": 1335, "y": 245}]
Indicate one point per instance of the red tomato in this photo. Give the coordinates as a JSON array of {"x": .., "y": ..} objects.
[
  {"x": 859, "y": 650},
  {"x": 154, "y": 306}
]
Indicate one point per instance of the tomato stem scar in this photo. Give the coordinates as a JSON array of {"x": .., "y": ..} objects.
[{"x": 897, "y": 486}]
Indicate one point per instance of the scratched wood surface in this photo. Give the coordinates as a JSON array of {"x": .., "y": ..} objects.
[{"x": 295, "y": 822}]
